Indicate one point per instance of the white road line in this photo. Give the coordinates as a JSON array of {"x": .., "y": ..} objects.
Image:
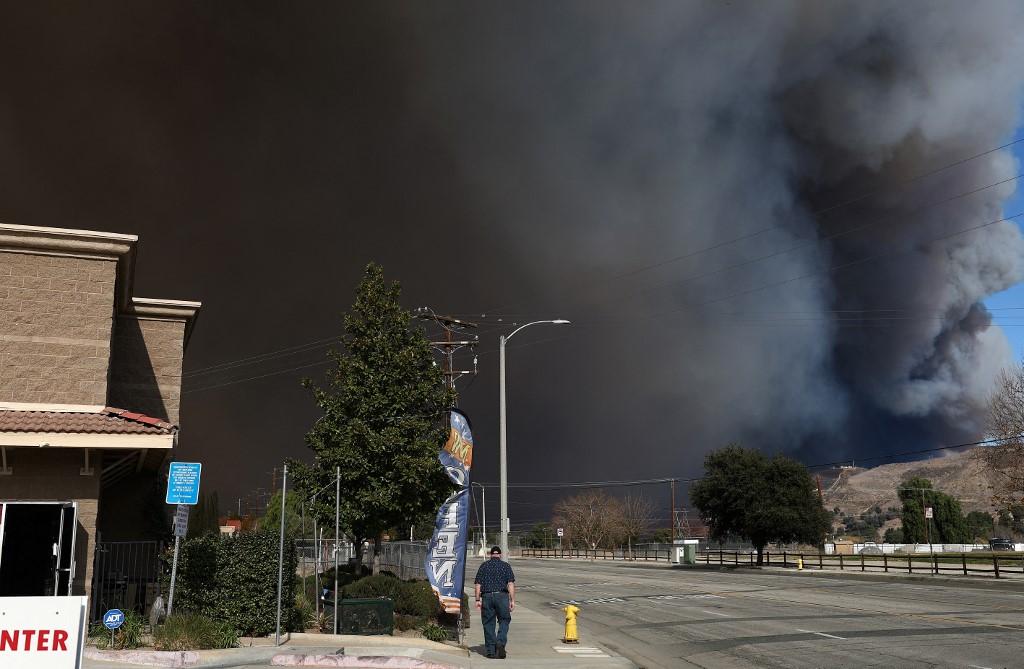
[
  {"x": 583, "y": 651},
  {"x": 715, "y": 614},
  {"x": 974, "y": 666},
  {"x": 830, "y": 636}
]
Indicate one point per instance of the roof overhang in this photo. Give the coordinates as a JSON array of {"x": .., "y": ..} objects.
[{"x": 48, "y": 440}]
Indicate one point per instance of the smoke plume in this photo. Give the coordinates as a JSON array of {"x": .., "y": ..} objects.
[
  {"x": 740, "y": 205},
  {"x": 816, "y": 295}
]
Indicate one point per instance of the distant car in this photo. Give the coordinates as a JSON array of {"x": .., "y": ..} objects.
[
  {"x": 999, "y": 544},
  {"x": 871, "y": 548}
]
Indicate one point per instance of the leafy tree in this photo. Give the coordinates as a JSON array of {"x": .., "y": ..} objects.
[
  {"x": 383, "y": 420},
  {"x": 893, "y": 535},
  {"x": 980, "y": 525},
  {"x": 1012, "y": 518},
  {"x": 204, "y": 517},
  {"x": 590, "y": 519},
  {"x": 762, "y": 500},
  {"x": 947, "y": 525},
  {"x": 539, "y": 536},
  {"x": 270, "y": 521}
]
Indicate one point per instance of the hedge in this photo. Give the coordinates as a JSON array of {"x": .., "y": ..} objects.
[{"x": 234, "y": 580}]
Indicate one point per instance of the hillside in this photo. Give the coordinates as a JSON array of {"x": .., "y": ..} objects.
[{"x": 966, "y": 476}]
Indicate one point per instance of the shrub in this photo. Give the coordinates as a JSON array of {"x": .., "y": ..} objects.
[
  {"x": 434, "y": 632},
  {"x": 377, "y": 585},
  {"x": 127, "y": 636},
  {"x": 412, "y": 598},
  {"x": 419, "y": 600},
  {"x": 190, "y": 631},
  {"x": 235, "y": 580}
]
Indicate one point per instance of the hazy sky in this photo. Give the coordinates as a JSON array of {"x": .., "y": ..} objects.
[{"x": 773, "y": 223}]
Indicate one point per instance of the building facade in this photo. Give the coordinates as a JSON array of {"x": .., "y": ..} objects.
[{"x": 90, "y": 391}]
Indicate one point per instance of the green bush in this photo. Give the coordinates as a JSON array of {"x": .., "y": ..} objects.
[
  {"x": 434, "y": 632},
  {"x": 378, "y": 585},
  {"x": 234, "y": 580},
  {"x": 127, "y": 636},
  {"x": 412, "y": 598},
  {"x": 190, "y": 631}
]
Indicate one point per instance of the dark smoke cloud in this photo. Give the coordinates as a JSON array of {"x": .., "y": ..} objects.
[{"x": 507, "y": 159}]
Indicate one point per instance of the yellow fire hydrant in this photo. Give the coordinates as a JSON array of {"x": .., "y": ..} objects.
[
  {"x": 571, "y": 636},
  {"x": 799, "y": 563}
]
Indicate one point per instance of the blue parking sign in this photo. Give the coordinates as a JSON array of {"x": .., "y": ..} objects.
[
  {"x": 183, "y": 483},
  {"x": 113, "y": 618}
]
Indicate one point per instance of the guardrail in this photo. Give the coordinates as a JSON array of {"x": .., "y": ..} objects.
[
  {"x": 985, "y": 564},
  {"x": 642, "y": 555}
]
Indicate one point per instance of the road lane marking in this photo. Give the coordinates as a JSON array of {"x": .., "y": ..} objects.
[
  {"x": 830, "y": 636},
  {"x": 580, "y": 651},
  {"x": 716, "y": 614}
]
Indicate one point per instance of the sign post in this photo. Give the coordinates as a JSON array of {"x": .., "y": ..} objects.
[
  {"x": 183, "y": 490},
  {"x": 113, "y": 619}
]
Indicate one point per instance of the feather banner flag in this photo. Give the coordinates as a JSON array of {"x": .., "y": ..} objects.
[{"x": 446, "y": 555}]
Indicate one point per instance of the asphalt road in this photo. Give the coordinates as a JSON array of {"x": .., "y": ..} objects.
[{"x": 660, "y": 617}]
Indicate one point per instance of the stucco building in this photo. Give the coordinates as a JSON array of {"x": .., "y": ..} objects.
[{"x": 90, "y": 389}]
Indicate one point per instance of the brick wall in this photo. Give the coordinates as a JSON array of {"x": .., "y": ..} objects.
[
  {"x": 55, "y": 327},
  {"x": 53, "y": 475},
  {"x": 145, "y": 368}
]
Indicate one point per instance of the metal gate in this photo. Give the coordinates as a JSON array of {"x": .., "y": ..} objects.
[{"x": 126, "y": 576}]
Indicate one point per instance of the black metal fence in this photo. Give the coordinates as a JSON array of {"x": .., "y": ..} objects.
[
  {"x": 997, "y": 565},
  {"x": 126, "y": 576},
  {"x": 642, "y": 555}
]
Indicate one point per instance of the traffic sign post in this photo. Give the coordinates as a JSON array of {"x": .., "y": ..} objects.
[
  {"x": 183, "y": 482},
  {"x": 181, "y": 521},
  {"x": 113, "y": 619},
  {"x": 183, "y": 490}
]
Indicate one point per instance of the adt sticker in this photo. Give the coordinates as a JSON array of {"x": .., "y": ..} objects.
[{"x": 113, "y": 618}]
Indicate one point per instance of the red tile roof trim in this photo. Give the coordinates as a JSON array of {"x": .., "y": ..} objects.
[
  {"x": 141, "y": 418},
  {"x": 107, "y": 421}
]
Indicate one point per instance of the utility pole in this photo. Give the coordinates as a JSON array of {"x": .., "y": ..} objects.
[
  {"x": 673, "y": 483},
  {"x": 449, "y": 345}
]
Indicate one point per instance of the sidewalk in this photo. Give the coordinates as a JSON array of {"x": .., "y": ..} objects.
[{"x": 534, "y": 641}]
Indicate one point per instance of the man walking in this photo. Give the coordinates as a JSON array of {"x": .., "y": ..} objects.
[{"x": 495, "y": 600}]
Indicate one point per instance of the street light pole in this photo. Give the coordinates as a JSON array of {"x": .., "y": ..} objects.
[{"x": 502, "y": 458}]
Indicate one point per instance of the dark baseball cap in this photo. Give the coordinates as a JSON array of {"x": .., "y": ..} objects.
[{"x": 496, "y": 550}]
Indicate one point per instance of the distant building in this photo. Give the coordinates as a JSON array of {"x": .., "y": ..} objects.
[{"x": 90, "y": 388}]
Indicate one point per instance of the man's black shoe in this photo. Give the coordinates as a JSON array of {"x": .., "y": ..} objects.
[
  {"x": 490, "y": 654},
  {"x": 501, "y": 651}
]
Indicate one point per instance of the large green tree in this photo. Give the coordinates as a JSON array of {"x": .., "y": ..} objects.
[
  {"x": 383, "y": 420},
  {"x": 947, "y": 525},
  {"x": 270, "y": 521},
  {"x": 760, "y": 499}
]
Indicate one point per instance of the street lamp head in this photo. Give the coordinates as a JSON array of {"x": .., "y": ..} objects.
[{"x": 560, "y": 321}]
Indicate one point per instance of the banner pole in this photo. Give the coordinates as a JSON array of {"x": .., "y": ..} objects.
[{"x": 462, "y": 586}]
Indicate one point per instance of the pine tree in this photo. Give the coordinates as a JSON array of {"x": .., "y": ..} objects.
[{"x": 383, "y": 420}]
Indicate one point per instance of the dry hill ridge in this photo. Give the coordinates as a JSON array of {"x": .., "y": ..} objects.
[{"x": 966, "y": 476}]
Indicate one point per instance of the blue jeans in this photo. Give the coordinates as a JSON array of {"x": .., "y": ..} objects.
[{"x": 494, "y": 605}]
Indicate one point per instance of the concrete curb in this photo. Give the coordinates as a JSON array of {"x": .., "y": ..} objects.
[
  {"x": 151, "y": 658},
  {"x": 388, "y": 662}
]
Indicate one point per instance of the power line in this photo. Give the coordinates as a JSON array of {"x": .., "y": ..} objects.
[{"x": 324, "y": 342}]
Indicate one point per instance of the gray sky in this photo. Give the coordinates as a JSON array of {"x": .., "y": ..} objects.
[{"x": 722, "y": 197}]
